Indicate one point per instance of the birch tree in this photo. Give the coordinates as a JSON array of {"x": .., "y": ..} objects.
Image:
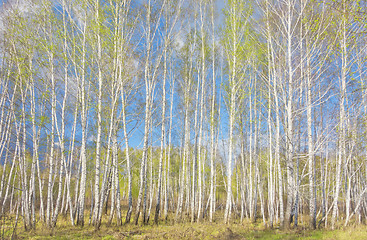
[{"x": 236, "y": 20}]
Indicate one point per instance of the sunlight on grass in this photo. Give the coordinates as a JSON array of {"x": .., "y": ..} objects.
[{"x": 169, "y": 230}]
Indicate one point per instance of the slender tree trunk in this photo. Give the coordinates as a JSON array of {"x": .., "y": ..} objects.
[
  {"x": 99, "y": 116},
  {"x": 163, "y": 117},
  {"x": 127, "y": 155},
  {"x": 311, "y": 155},
  {"x": 52, "y": 144},
  {"x": 148, "y": 103},
  {"x": 277, "y": 153},
  {"x": 168, "y": 159},
  {"x": 83, "y": 157},
  {"x": 342, "y": 130},
  {"x": 290, "y": 122},
  {"x": 212, "y": 122}
]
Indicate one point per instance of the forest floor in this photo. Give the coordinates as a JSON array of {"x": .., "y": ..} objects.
[{"x": 205, "y": 230}]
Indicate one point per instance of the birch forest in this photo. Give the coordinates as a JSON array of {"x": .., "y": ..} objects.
[{"x": 116, "y": 112}]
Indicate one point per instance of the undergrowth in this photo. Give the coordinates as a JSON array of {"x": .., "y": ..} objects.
[{"x": 186, "y": 230}]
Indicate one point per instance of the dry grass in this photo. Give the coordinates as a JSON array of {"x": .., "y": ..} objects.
[{"x": 169, "y": 230}]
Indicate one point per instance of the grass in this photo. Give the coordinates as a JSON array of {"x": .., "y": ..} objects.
[{"x": 205, "y": 230}]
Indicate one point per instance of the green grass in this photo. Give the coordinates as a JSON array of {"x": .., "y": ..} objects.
[{"x": 205, "y": 230}]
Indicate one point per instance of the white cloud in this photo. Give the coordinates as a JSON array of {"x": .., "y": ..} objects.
[
  {"x": 21, "y": 7},
  {"x": 179, "y": 41},
  {"x": 25, "y": 6},
  {"x": 78, "y": 15},
  {"x": 91, "y": 138}
]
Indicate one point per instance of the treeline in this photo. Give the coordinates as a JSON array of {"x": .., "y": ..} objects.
[{"x": 184, "y": 111}]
